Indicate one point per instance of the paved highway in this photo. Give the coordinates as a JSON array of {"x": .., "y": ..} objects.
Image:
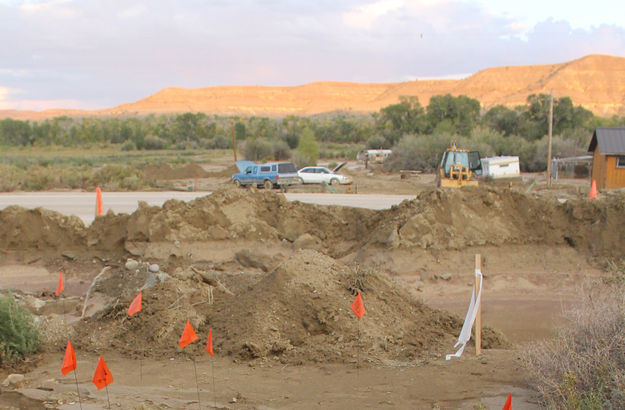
[{"x": 82, "y": 204}]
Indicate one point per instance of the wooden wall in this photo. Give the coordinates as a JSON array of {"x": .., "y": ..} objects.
[
  {"x": 615, "y": 177},
  {"x": 605, "y": 172},
  {"x": 598, "y": 168}
]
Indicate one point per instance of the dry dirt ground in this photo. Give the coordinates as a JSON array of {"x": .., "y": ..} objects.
[{"x": 274, "y": 281}]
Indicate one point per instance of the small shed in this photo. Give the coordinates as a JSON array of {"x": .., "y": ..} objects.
[
  {"x": 501, "y": 167},
  {"x": 608, "y": 163}
]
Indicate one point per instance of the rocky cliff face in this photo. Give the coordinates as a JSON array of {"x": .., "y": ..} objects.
[{"x": 597, "y": 82}]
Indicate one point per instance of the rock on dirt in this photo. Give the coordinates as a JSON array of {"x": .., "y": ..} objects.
[
  {"x": 13, "y": 380},
  {"x": 307, "y": 241},
  {"x": 251, "y": 259},
  {"x": 131, "y": 264}
]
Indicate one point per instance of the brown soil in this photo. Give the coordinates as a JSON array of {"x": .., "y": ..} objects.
[
  {"x": 596, "y": 82},
  {"x": 275, "y": 279},
  {"x": 165, "y": 171}
]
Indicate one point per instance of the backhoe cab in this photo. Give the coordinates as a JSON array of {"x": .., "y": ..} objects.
[{"x": 458, "y": 168}]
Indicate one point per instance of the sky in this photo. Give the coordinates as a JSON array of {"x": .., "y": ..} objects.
[{"x": 92, "y": 54}]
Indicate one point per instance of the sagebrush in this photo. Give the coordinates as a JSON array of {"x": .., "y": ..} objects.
[{"x": 583, "y": 367}]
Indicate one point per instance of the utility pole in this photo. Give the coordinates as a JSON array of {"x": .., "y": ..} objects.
[
  {"x": 550, "y": 137},
  {"x": 234, "y": 142}
]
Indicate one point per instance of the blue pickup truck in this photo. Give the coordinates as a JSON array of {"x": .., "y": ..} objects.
[{"x": 269, "y": 175}]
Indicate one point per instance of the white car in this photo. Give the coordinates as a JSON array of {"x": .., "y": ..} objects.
[{"x": 319, "y": 175}]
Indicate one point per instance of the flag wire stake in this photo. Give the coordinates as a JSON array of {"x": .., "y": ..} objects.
[
  {"x": 358, "y": 352},
  {"x": 107, "y": 396},
  {"x": 77, "y": 391},
  {"x": 197, "y": 386},
  {"x": 213, "y": 371}
]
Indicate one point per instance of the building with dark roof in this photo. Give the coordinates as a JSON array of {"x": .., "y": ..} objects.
[{"x": 608, "y": 162}]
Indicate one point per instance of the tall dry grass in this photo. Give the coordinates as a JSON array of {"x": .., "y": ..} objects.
[{"x": 583, "y": 367}]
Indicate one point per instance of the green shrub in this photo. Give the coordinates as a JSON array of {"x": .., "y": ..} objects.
[
  {"x": 377, "y": 142},
  {"x": 308, "y": 148},
  {"x": 300, "y": 160},
  {"x": 113, "y": 177},
  {"x": 154, "y": 142},
  {"x": 128, "y": 146},
  {"x": 292, "y": 140},
  {"x": 280, "y": 150},
  {"x": 257, "y": 149},
  {"x": 19, "y": 336},
  {"x": 422, "y": 152}
]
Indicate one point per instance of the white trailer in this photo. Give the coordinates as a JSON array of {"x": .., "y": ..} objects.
[{"x": 501, "y": 167}]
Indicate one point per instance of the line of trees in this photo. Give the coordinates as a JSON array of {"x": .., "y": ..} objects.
[{"x": 419, "y": 133}]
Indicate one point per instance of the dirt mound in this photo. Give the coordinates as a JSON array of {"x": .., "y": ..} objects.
[
  {"x": 456, "y": 219},
  {"x": 224, "y": 173},
  {"x": 38, "y": 230},
  {"x": 299, "y": 312},
  {"x": 237, "y": 214},
  {"x": 436, "y": 219},
  {"x": 164, "y": 171}
]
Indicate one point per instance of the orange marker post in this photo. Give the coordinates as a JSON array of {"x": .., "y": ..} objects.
[
  {"x": 593, "y": 190},
  {"x": 98, "y": 201}
]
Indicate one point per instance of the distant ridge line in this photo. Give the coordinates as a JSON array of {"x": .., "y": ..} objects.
[{"x": 596, "y": 82}]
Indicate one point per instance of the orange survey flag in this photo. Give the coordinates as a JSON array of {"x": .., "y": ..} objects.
[
  {"x": 508, "y": 405},
  {"x": 188, "y": 335},
  {"x": 209, "y": 343},
  {"x": 69, "y": 361},
  {"x": 135, "y": 306},
  {"x": 358, "y": 306},
  {"x": 60, "y": 286},
  {"x": 102, "y": 376}
]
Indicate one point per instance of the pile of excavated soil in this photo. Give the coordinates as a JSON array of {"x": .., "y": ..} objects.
[
  {"x": 235, "y": 214},
  {"x": 436, "y": 219},
  {"x": 164, "y": 171},
  {"x": 299, "y": 312},
  {"x": 457, "y": 219},
  {"x": 39, "y": 230},
  {"x": 224, "y": 173}
]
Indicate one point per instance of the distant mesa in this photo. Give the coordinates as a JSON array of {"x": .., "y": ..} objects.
[{"x": 597, "y": 82}]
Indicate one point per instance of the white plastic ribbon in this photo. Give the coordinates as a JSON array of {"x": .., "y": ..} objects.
[{"x": 469, "y": 319}]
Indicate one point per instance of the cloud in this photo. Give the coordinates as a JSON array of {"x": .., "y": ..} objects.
[
  {"x": 364, "y": 16},
  {"x": 4, "y": 93},
  {"x": 40, "y": 105}
]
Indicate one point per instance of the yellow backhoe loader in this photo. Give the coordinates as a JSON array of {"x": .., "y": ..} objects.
[{"x": 458, "y": 168}]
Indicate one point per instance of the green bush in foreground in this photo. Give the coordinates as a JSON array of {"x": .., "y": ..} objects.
[
  {"x": 19, "y": 336},
  {"x": 583, "y": 367}
]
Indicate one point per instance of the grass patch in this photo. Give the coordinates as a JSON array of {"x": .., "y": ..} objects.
[
  {"x": 107, "y": 166},
  {"x": 19, "y": 336}
]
